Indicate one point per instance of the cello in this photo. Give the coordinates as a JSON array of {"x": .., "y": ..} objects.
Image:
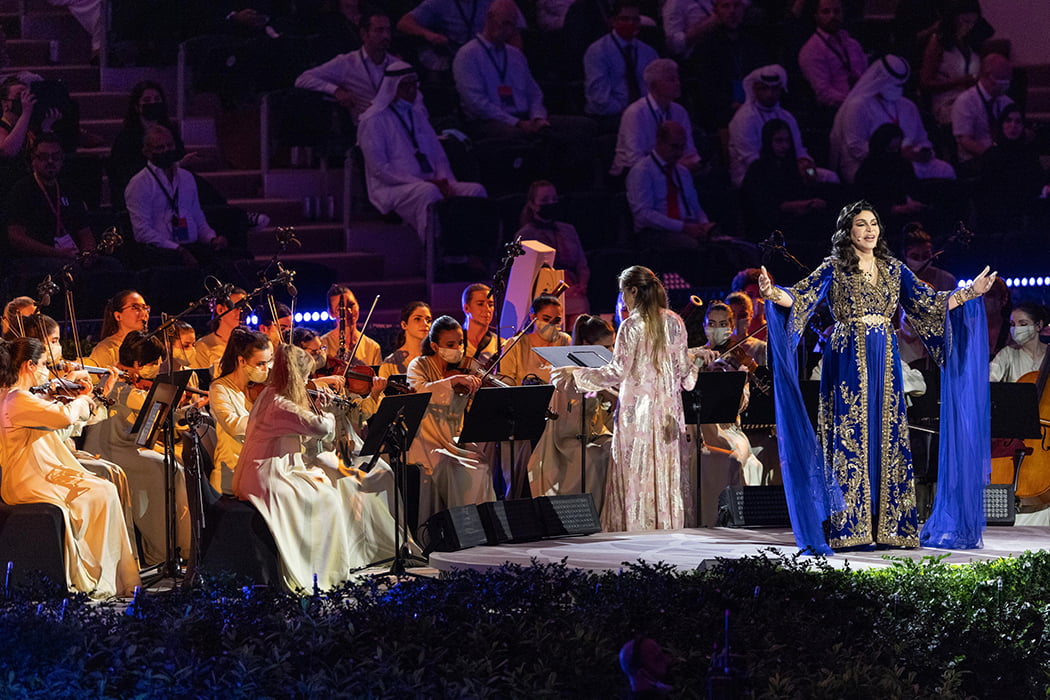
[{"x": 1032, "y": 478}]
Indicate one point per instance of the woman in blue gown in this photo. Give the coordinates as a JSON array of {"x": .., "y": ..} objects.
[{"x": 855, "y": 487}]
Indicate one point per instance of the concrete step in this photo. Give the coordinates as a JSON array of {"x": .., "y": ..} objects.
[
  {"x": 54, "y": 23},
  {"x": 282, "y": 212},
  {"x": 209, "y": 155},
  {"x": 1038, "y": 74},
  {"x": 360, "y": 268},
  {"x": 237, "y": 184},
  {"x": 101, "y": 105},
  {"x": 80, "y": 78},
  {"x": 315, "y": 239},
  {"x": 29, "y": 51},
  {"x": 1039, "y": 99}
]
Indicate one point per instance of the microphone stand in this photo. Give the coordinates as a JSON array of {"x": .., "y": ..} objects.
[{"x": 498, "y": 291}]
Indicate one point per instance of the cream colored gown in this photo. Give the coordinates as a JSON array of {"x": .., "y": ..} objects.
[{"x": 39, "y": 468}]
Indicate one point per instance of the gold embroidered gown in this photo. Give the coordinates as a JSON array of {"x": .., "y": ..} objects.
[{"x": 862, "y": 425}]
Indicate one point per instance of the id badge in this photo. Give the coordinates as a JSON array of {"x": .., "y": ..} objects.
[
  {"x": 424, "y": 163},
  {"x": 180, "y": 230},
  {"x": 506, "y": 96}
]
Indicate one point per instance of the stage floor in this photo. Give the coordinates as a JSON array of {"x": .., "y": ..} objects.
[{"x": 689, "y": 549}]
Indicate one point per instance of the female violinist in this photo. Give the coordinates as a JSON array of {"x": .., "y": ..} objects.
[
  {"x": 320, "y": 528},
  {"x": 125, "y": 311},
  {"x": 13, "y": 322},
  {"x": 415, "y": 325},
  {"x": 453, "y": 474},
  {"x": 246, "y": 361},
  {"x": 140, "y": 357},
  {"x": 1025, "y": 352},
  {"x": 39, "y": 468}
]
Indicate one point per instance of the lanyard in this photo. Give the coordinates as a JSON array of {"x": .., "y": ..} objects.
[
  {"x": 409, "y": 126},
  {"x": 673, "y": 170},
  {"x": 658, "y": 115},
  {"x": 173, "y": 197},
  {"x": 56, "y": 205},
  {"x": 502, "y": 71},
  {"x": 843, "y": 56},
  {"x": 368, "y": 71}
]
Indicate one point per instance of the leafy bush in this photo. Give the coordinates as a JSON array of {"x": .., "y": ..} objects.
[{"x": 798, "y": 628}]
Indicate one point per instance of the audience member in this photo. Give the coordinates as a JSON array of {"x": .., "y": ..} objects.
[
  {"x": 776, "y": 195},
  {"x": 550, "y": 14},
  {"x": 763, "y": 88},
  {"x": 831, "y": 60},
  {"x": 46, "y": 224},
  {"x": 684, "y": 22},
  {"x": 637, "y": 133},
  {"x": 586, "y": 21},
  {"x": 951, "y": 63},
  {"x": 17, "y": 128},
  {"x": 448, "y": 25},
  {"x": 1013, "y": 183},
  {"x": 353, "y": 78},
  {"x": 877, "y": 99},
  {"x": 724, "y": 55},
  {"x": 613, "y": 65},
  {"x": 886, "y": 177},
  {"x": 147, "y": 106},
  {"x": 539, "y": 223},
  {"x": 340, "y": 27},
  {"x": 975, "y": 112},
  {"x": 165, "y": 211},
  {"x": 406, "y": 167}
]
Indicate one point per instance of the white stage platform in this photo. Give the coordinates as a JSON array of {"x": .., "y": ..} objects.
[{"x": 689, "y": 549}]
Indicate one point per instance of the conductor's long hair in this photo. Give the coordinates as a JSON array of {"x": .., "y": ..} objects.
[
  {"x": 842, "y": 245},
  {"x": 291, "y": 367},
  {"x": 649, "y": 303}
]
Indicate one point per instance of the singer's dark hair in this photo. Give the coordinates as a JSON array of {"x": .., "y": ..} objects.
[
  {"x": 113, "y": 306},
  {"x": 138, "y": 347},
  {"x": 842, "y": 251},
  {"x": 440, "y": 325},
  {"x": 243, "y": 343},
  {"x": 15, "y": 353}
]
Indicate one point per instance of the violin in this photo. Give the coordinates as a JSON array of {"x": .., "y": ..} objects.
[
  {"x": 474, "y": 367},
  {"x": 67, "y": 366},
  {"x": 59, "y": 389}
]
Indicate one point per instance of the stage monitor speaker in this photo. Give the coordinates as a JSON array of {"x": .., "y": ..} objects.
[
  {"x": 564, "y": 516},
  {"x": 999, "y": 504},
  {"x": 752, "y": 507},
  {"x": 515, "y": 520},
  {"x": 454, "y": 529}
]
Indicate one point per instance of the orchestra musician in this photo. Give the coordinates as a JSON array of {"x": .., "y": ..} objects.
[
  {"x": 478, "y": 309},
  {"x": 139, "y": 358},
  {"x": 342, "y": 339},
  {"x": 210, "y": 348},
  {"x": 245, "y": 363},
  {"x": 14, "y": 316},
  {"x": 276, "y": 331},
  {"x": 125, "y": 311},
  {"x": 453, "y": 474},
  {"x": 415, "y": 325},
  {"x": 39, "y": 468},
  {"x": 321, "y": 529}
]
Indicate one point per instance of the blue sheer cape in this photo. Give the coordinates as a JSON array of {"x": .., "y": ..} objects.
[{"x": 964, "y": 457}]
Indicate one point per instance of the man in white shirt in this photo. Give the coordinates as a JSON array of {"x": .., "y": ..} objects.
[
  {"x": 877, "y": 99},
  {"x": 976, "y": 111},
  {"x": 405, "y": 165},
  {"x": 637, "y": 133},
  {"x": 353, "y": 78},
  {"x": 763, "y": 89},
  {"x": 165, "y": 211},
  {"x": 831, "y": 60},
  {"x": 449, "y": 24},
  {"x": 684, "y": 22},
  {"x": 614, "y": 64},
  {"x": 662, "y": 197}
]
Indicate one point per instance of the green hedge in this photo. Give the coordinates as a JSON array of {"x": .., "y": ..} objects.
[{"x": 799, "y": 629}]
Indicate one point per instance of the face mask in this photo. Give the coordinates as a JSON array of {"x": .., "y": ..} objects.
[
  {"x": 892, "y": 93},
  {"x": 717, "y": 336},
  {"x": 547, "y": 212},
  {"x": 1022, "y": 334},
  {"x": 548, "y": 332},
  {"x": 165, "y": 159},
  {"x": 450, "y": 355},
  {"x": 258, "y": 375},
  {"x": 154, "y": 111},
  {"x": 56, "y": 352},
  {"x": 149, "y": 371}
]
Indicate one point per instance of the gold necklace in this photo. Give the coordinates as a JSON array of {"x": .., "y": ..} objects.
[{"x": 869, "y": 274}]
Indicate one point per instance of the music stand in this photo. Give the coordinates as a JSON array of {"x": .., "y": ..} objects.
[
  {"x": 391, "y": 430},
  {"x": 715, "y": 399},
  {"x": 158, "y": 414},
  {"x": 1015, "y": 415},
  {"x": 510, "y": 414},
  {"x": 578, "y": 356}
]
